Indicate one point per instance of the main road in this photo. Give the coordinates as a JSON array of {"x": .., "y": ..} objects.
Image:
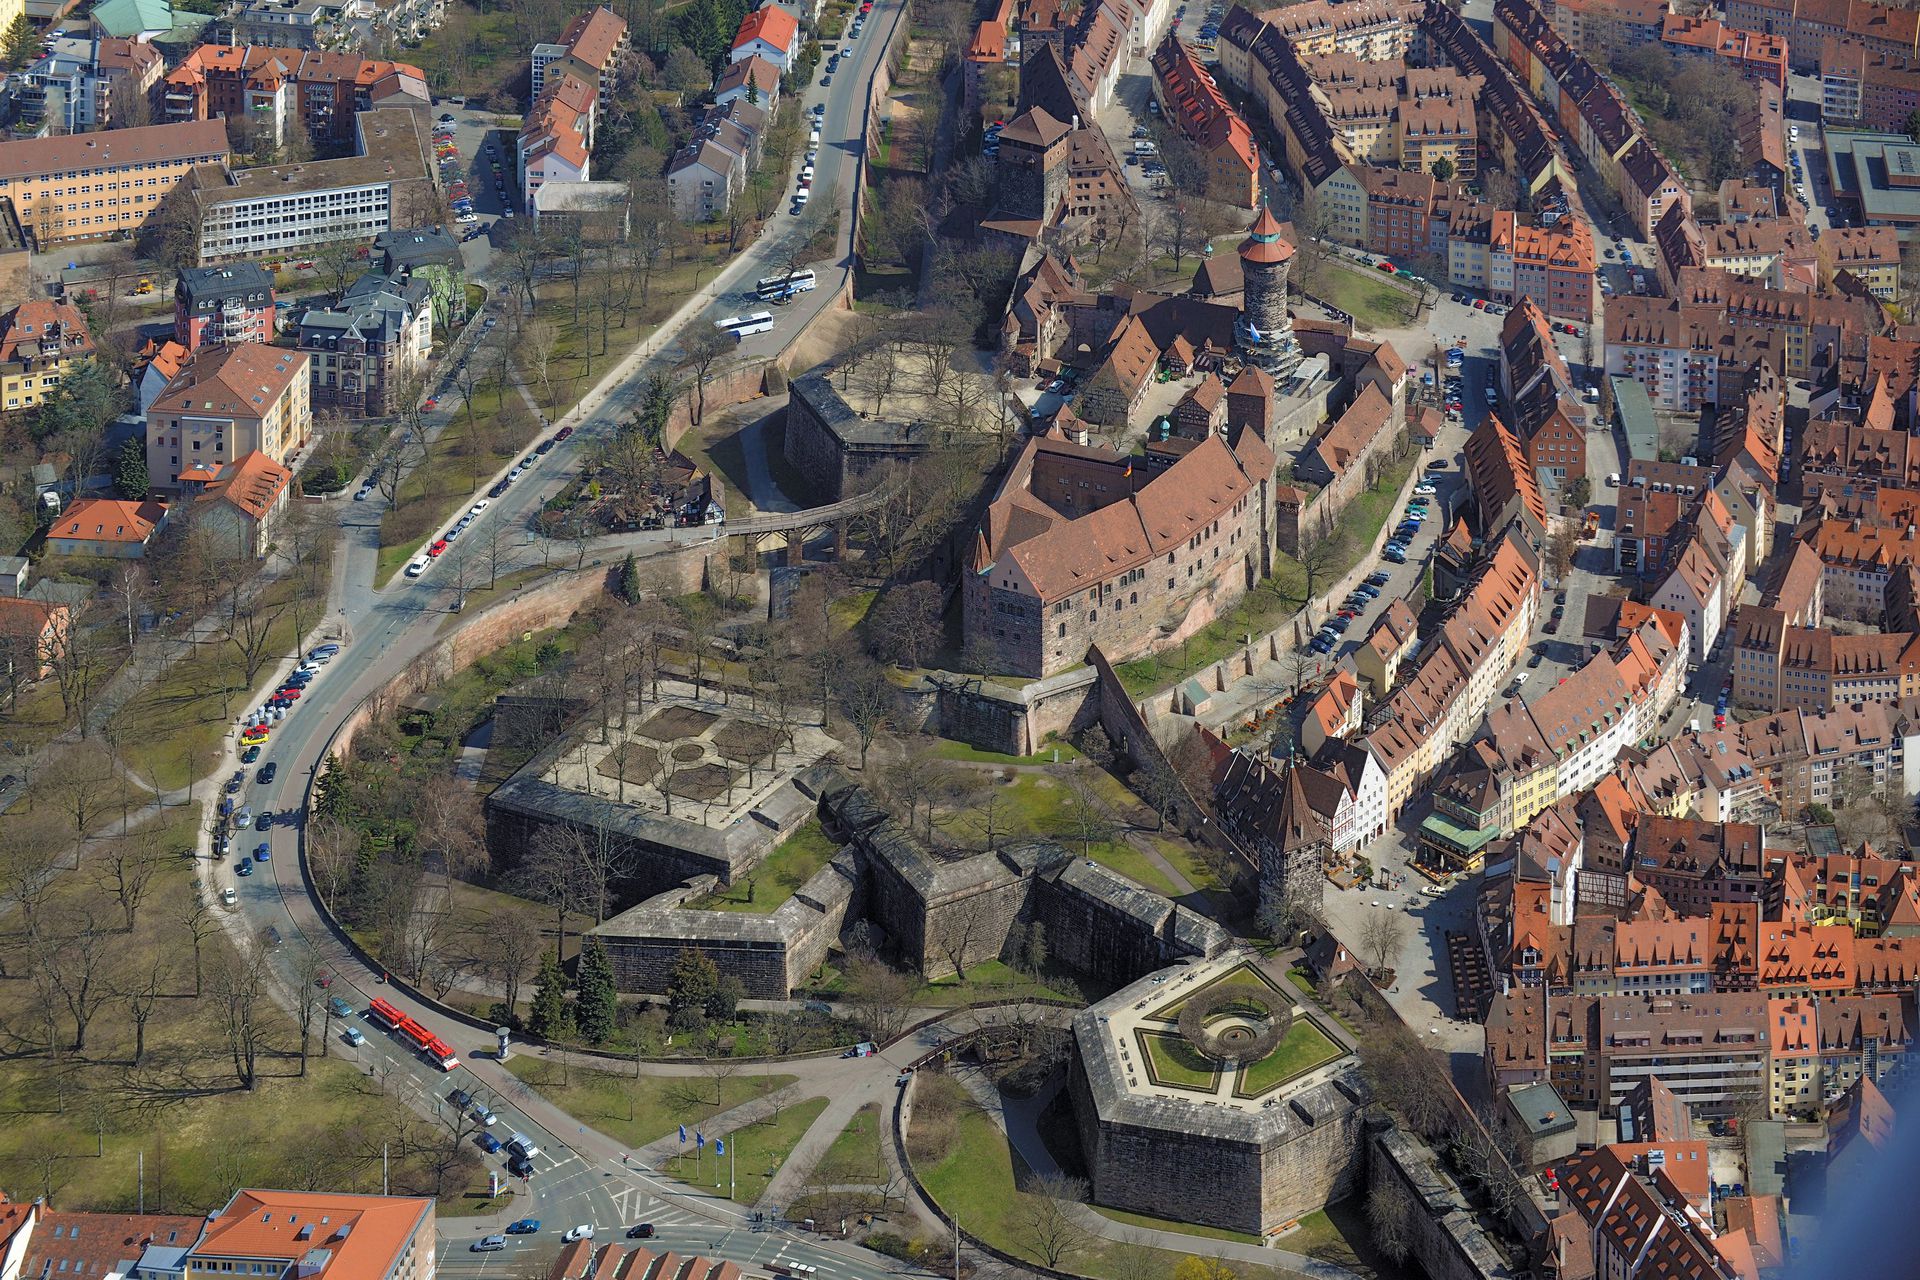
[{"x": 579, "y": 1176}]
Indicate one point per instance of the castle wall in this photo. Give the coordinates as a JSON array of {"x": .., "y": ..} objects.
[
  {"x": 770, "y": 955},
  {"x": 814, "y": 449}
]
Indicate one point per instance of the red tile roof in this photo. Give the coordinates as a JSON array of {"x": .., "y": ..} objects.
[{"x": 772, "y": 24}]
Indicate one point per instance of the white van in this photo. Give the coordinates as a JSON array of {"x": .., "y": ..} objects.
[
  {"x": 806, "y": 173},
  {"x": 418, "y": 565},
  {"x": 813, "y": 138}
]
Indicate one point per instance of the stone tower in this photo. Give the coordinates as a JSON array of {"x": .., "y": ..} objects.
[
  {"x": 1033, "y": 166},
  {"x": 1293, "y": 850},
  {"x": 1264, "y": 332}
]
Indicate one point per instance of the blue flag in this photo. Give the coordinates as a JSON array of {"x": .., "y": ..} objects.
[
  {"x": 719, "y": 1146},
  {"x": 683, "y": 1134},
  {"x": 699, "y": 1140}
]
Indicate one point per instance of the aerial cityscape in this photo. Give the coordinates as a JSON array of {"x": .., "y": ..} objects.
[{"x": 829, "y": 639}]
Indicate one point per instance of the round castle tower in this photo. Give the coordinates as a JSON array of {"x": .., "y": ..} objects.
[{"x": 1263, "y": 331}]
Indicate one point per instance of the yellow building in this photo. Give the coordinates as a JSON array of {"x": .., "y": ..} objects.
[
  {"x": 40, "y": 343},
  {"x": 88, "y": 186},
  {"x": 225, "y": 403}
]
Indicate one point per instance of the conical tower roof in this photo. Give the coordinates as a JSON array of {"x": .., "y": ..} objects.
[{"x": 1264, "y": 243}]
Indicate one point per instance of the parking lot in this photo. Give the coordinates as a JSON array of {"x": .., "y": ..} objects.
[{"x": 481, "y": 157}]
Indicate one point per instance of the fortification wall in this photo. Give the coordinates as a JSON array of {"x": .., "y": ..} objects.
[{"x": 770, "y": 954}]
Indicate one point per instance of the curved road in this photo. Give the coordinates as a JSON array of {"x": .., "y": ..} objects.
[{"x": 578, "y": 1176}]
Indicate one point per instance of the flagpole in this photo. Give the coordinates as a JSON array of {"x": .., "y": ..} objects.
[{"x": 730, "y": 1181}]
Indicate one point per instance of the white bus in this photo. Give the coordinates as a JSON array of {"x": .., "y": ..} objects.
[
  {"x": 747, "y": 325},
  {"x": 778, "y": 288}
]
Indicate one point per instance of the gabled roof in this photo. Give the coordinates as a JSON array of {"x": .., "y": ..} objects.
[
  {"x": 772, "y": 24},
  {"x": 252, "y": 485}
]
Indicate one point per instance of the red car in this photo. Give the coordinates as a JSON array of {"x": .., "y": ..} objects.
[
  {"x": 304, "y": 266},
  {"x": 1479, "y": 304},
  {"x": 1387, "y": 267},
  {"x": 432, "y": 402},
  {"x": 439, "y": 546},
  {"x": 291, "y": 693},
  {"x": 563, "y": 433}
]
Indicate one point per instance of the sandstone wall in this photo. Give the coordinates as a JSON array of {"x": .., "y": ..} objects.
[{"x": 770, "y": 954}]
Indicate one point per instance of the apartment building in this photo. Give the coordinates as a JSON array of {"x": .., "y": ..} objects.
[
  {"x": 1641, "y": 1212},
  {"x": 1815, "y": 669},
  {"x": 41, "y": 342},
  {"x": 1872, "y": 895},
  {"x": 274, "y": 210},
  {"x": 1550, "y": 259},
  {"x": 1807, "y": 24},
  {"x": 1567, "y": 739},
  {"x": 1711, "y": 1050},
  {"x": 1191, "y": 102},
  {"x": 298, "y": 24},
  {"x": 1694, "y": 863},
  {"x": 228, "y": 402},
  {"x": 1864, "y": 88},
  {"x": 555, "y": 142},
  {"x": 94, "y": 185},
  {"x": 1600, "y": 28},
  {"x": 1870, "y": 255},
  {"x": 102, "y": 82},
  {"x": 1440, "y": 703},
  {"x": 232, "y": 303},
  {"x": 1754, "y": 55},
  {"x": 596, "y": 40},
  {"x": 312, "y": 1233},
  {"x": 314, "y": 93},
  {"x": 371, "y": 347},
  {"x": 769, "y": 32},
  {"x": 1809, "y": 758}
]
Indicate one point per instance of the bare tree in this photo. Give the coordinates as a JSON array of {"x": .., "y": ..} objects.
[
  {"x": 241, "y": 1004},
  {"x": 127, "y": 867},
  {"x": 248, "y": 627},
  {"x": 1383, "y": 932},
  {"x": 869, "y": 701},
  {"x": 701, "y": 346},
  {"x": 76, "y": 967},
  {"x": 880, "y": 997},
  {"x": 1046, "y": 1218},
  {"x": 1389, "y": 1217},
  {"x": 196, "y": 920},
  {"x": 141, "y": 990},
  {"x": 1086, "y": 818}
]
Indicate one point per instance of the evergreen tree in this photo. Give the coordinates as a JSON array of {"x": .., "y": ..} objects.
[
  {"x": 629, "y": 580},
  {"x": 656, "y": 406},
  {"x": 598, "y": 1004},
  {"x": 130, "y": 470},
  {"x": 694, "y": 985},
  {"x": 548, "y": 1019}
]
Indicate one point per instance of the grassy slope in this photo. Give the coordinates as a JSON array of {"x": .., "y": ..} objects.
[
  {"x": 774, "y": 881},
  {"x": 638, "y": 1110},
  {"x": 75, "y": 1130},
  {"x": 755, "y": 1153}
]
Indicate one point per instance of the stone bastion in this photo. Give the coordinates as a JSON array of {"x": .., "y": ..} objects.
[{"x": 1245, "y": 1119}]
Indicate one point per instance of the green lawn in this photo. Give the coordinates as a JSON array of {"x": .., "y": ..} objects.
[
  {"x": 769, "y": 885},
  {"x": 754, "y": 1153},
  {"x": 950, "y": 750},
  {"x": 1372, "y": 300},
  {"x": 1171, "y": 1060},
  {"x": 1303, "y": 1048},
  {"x": 1118, "y": 855},
  {"x": 855, "y": 1154},
  {"x": 976, "y": 1179},
  {"x": 1339, "y": 1234},
  {"x": 638, "y": 1110},
  {"x": 989, "y": 980},
  {"x": 1151, "y": 1223},
  {"x": 171, "y": 731}
]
